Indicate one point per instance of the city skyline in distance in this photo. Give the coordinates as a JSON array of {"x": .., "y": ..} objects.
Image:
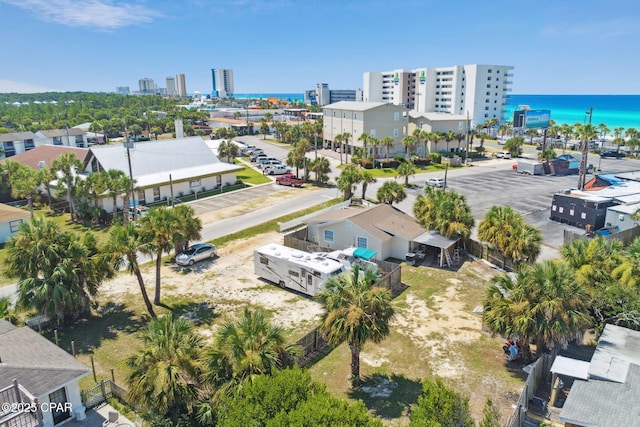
[{"x": 284, "y": 46}]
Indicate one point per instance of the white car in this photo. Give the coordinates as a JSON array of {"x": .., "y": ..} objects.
[
  {"x": 276, "y": 169},
  {"x": 503, "y": 155},
  {"x": 435, "y": 182}
]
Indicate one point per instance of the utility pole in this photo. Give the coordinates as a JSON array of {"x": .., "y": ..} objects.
[
  {"x": 128, "y": 144},
  {"x": 466, "y": 152}
]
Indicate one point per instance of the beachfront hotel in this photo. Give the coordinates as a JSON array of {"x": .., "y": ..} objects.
[
  {"x": 222, "y": 79},
  {"x": 477, "y": 90}
]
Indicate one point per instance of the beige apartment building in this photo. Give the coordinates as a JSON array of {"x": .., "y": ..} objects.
[{"x": 376, "y": 119}]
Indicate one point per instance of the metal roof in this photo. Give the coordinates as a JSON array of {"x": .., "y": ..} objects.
[
  {"x": 570, "y": 367},
  {"x": 433, "y": 238}
]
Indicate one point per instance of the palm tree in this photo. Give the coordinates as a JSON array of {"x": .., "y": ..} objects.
[
  {"x": 408, "y": 142},
  {"x": 122, "y": 248},
  {"x": 375, "y": 143},
  {"x": 444, "y": 211},
  {"x": 406, "y": 170},
  {"x": 388, "y": 142},
  {"x": 44, "y": 177},
  {"x": 391, "y": 192},
  {"x": 157, "y": 235},
  {"x": 68, "y": 165},
  {"x": 321, "y": 167},
  {"x": 364, "y": 138},
  {"x": 367, "y": 178},
  {"x": 24, "y": 185},
  {"x": 188, "y": 227},
  {"x": 348, "y": 179},
  {"x": 586, "y": 133},
  {"x": 355, "y": 311},
  {"x": 59, "y": 272},
  {"x": 116, "y": 184},
  {"x": 544, "y": 304},
  {"x": 448, "y": 137},
  {"x": 164, "y": 374},
  {"x": 244, "y": 349}
]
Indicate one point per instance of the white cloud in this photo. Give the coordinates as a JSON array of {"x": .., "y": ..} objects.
[
  {"x": 101, "y": 14},
  {"x": 10, "y": 86}
]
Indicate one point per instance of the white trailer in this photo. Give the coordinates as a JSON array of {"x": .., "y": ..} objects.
[{"x": 293, "y": 269}]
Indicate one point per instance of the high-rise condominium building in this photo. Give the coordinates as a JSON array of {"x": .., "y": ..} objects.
[
  {"x": 222, "y": 79},
  {"x": 171, "y": 86},
  {"x": 322, "y": 95},
  {"x": 477, "y": 90},
  {"x": 147, "y": 85},
  {"x": 182, "y": 86}
]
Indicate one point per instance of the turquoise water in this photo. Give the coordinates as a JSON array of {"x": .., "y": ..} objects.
[{"x": 612, "y": 110}]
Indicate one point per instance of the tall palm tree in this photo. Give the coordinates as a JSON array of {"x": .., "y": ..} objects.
[
  {"x": 585, "y": 133},
  {"x": 364, "y": 138},
  {"x": 244, "y": 349},
  {"x": 44, "y": 177},
  {"x": 116, "y": 184},
  {"x": 164, "y": 375},
  {"x": 355, "y": 311},
  {"x": 388, "y": 142},
  {"x": 122, "y": 248},
  {"x": 348, "y": 179},
  {"x": 444, "y": 211},
  {"x": 321, "y": 167},
  {"x": 24, "y": 185},
  {"x": 157, "y": 230},
  {"x": 506, "y": 229},
  {"x": 544, "y": 304},
  {"x": 406, "y": 170},
  {"x": 367, "y": 178},
  {"x": 391, "y": 192},
  {"x": 188, "y": 227},
  {"x": 408, "y": 142},
  {"x": 68, "y": 165}
]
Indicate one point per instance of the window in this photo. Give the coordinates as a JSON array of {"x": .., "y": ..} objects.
[
  {"x": 328, "y": 236},
  {"x": 489, "y": 78},
  {"x": 57, "y": 140},
  {"x": 218, "y": 180},
  {"x": 29, "y": 145},
  {"x": 264, "y": 260},
  {"x": 156, "y": 194},
  {"x": 355, "y": 116},
  {"x": 373, "y": 133},
  {"x": 194, "y": 183},
  {"x": 396, "y": 116},
  {"x": 14, "y": 225},
  {"x": 294, "y": 273},
  {"x": 361, "y": 242},
  {"x": 142, "y": 198},
  {"x": 396, "y": 132}
]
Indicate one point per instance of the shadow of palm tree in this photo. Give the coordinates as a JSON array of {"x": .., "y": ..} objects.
[
  {"x": 388, "y": 397},
  {"x": 198, "y": 312}
]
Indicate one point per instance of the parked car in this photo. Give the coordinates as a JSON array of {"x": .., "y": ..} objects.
[
  {"x": 254, "y": 158},
  {"x": 611, "y": 153},
  {"x": 435, "y": 182},
  {"x": 290, "y": 179},
  {"x": 196, "y": 253},
  {"x": 140, "y": 211},
  {"x": 245, "y": 150},
  {"x": 266, "y": 161},
  {"x": 503, "y": 155},
  {"x": 276, "y": 169}
]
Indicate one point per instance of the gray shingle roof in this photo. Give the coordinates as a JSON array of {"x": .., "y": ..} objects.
[
  {"x": 50, "y": 133},
  {"x": 38, "y": 364},
  {"x": 604, "y": 403},
  {"x": 17, "y": 136}
]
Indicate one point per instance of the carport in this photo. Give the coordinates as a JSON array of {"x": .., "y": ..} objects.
[{"x": 436, "y": 240}]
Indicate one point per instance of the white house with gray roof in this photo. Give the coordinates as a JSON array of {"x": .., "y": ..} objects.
[
  {"x": 71, "y": 137},
  {"x": 164, "y": 168},
  {"x": 33, "y": 367},
  {"x": 16, "y": 142}
]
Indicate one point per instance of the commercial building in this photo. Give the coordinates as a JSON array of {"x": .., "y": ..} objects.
[
  {"x": 122, "y": 90},
  {"x": 222, "y": 79},
  {"x": 182, "y": 85},
  {"x": 477, "y": 90},
  {"x": 171, "y": 86},
  {"x": 147, "y": 86},
  {"x": 322, "y": 95}
]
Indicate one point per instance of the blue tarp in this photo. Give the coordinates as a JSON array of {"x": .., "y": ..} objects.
[{"x": 364, "y": 253}]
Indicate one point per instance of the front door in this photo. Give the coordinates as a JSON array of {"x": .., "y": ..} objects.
[{"x": 59, "y": 410}]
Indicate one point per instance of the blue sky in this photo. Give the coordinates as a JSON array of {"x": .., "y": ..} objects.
[{"x": 556, "y": 46}]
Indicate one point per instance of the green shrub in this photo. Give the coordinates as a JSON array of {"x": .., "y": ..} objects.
[{"x": 435, "y": 157}]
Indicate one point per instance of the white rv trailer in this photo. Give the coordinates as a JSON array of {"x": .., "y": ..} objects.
[{"x": 294, "y": 269}]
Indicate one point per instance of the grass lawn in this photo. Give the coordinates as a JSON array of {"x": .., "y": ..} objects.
[
  {"x": 390, "y": 172},
  {"x": 394, "y": 368},
  {"x": 250, "y": 175}
]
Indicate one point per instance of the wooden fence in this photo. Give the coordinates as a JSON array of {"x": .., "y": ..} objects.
[
  {"x": 539, "y": 371},
  {"x": 482, "y": 251},
  {"x": 101, "y": 392}
]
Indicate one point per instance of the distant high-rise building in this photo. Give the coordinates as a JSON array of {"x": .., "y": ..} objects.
[
  {"x": 477, "y": 90},
  {"x": 171, "y": 86},
  {"x": 222, "y": 82},
  {"x": 147, "y": 85},
  {"x": 322, "y": 95},
  {"x": 182, "y": 86},
  {"x": 122, "y": 90}
]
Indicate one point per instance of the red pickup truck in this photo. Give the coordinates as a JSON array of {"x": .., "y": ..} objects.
[{"x": 289, "y": 179}]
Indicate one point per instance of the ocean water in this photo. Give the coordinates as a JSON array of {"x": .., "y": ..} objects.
[
  {"x": 287, "y": 96},
  {"x": 612, "y": 110}
]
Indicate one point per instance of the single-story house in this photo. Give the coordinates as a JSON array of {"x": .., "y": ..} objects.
[
  {"x": 164, "y": 168},
  {"x": 45, "y": 155},
  {"x": 10, "y": 220},
  {"x": 382, "y": 228},
  {"x": 40, "y": 370},
  {"x": 610, "y": 394}
]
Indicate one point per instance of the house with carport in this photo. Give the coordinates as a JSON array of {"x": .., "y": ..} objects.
[
  {"x": 163, "y": 169},
  {"x": 382, "y": 228},
  {"x": 35, "y": 371}
]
